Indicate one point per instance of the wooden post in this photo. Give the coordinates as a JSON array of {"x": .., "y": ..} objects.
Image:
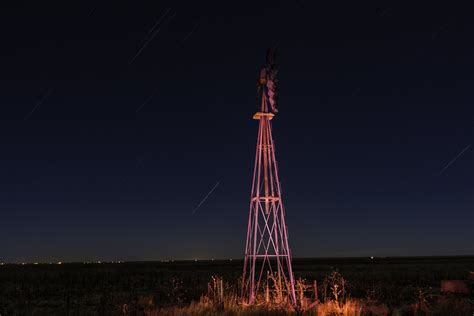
[
  {"x": 267, "y": 294},
  {"x": 315, "y": 284},
  {"x": 221, "y": 290}
]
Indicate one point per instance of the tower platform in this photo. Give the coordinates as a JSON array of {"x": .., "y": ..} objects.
[{"x": 259, "y": 115}]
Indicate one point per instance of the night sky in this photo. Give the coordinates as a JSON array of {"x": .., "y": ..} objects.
[{"x": 113, "y": 131}]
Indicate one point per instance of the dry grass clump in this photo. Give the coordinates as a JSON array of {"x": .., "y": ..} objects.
[
  {"x": 201, "y": 308},
  {"x": 329, "y": 298},
  {"x": 221, "y": 299},
  {"x": 350, "y": 307}
]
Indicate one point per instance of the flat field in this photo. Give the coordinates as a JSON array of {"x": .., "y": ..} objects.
[{"x": 136, "y": 288}]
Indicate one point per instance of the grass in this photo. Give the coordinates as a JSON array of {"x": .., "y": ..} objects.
[
  {"x": 396, "y": 285},
  {"x": 334, "y": 302}
]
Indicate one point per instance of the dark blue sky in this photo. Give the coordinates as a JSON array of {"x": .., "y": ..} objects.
[{"x": 374, "y": 102}]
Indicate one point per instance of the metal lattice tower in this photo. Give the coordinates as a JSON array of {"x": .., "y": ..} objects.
[{"x": 267, "y": 251}]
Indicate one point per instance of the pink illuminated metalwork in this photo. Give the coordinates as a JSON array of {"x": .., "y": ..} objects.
[{"x": 267, "y": 250}]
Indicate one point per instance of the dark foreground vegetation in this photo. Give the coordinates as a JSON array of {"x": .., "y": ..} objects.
[{"x": 402, "y": 286}]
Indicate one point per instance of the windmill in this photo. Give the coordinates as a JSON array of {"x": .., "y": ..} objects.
[{"x": 267, "y": 252}]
